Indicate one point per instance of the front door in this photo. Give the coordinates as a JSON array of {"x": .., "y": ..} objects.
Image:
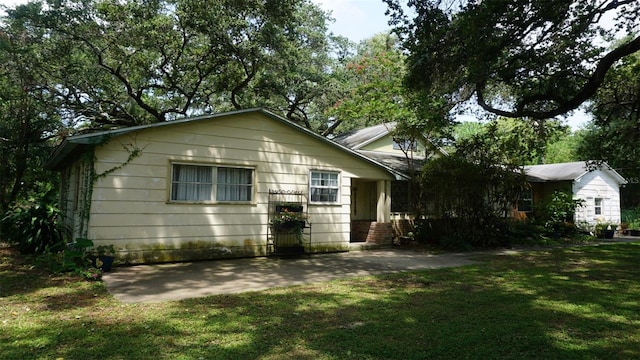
[
  {"x": 363, "y": 200},
  {"x": 363, "y": 208}
]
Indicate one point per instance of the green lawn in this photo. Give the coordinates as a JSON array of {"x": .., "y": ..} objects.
[{"x": 569, "y": 303}]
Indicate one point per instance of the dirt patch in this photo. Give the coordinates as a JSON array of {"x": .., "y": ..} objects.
[{"x": 25, "y": 275}]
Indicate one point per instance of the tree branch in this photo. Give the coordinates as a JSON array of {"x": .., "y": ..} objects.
[{"x": 586, "y": 92}]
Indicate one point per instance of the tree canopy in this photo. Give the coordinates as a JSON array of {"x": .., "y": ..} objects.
[
  {"x": 511, "y": 141},
  {"x": 128, "y": 62},
  {"x": 28, "y": 117},
  {"x": 522, "y": 58},
  {"x": 372, "y": 91},
  {"x": 614, "y": 133}
]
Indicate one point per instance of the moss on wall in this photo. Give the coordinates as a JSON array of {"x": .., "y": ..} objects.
[
  {"x": 328, "y": 248},
  {"x": 202, "y": 250}
]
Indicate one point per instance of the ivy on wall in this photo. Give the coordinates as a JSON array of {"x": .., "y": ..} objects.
[{"x": 88, "y": 177}]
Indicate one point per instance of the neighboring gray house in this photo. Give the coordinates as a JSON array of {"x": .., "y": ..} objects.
[{"x": 598, "y": 185}]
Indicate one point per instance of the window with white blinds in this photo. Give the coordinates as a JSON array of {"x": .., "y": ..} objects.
[{"x": 206, "y": 183}]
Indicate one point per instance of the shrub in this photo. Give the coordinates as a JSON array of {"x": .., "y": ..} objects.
[
  {"x": 473, "y": 200},
  {"x": 35, "y": 226},
  {"x": 76, "y": 255},
  {"x": 525, "y": 232},
  {"x": 631, "y": 218},
  {"x": 556, "y": 214}
]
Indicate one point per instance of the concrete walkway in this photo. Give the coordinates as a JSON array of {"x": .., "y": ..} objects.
[{"x": 164, "y": 282}]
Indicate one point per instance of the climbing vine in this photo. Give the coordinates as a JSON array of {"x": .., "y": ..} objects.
[
  {"x": 89, "y": 177},
  {"x": 133, "y": 150}
]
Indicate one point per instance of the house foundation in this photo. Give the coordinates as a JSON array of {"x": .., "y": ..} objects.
[{"x": 371, "y": 232}]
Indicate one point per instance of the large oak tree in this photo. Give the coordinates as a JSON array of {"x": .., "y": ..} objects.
[
  {"x": 28, "y": 116},
  {"x": 518, "y": 58},
  {"x": 614, "y": 133},
  {"x": 123, "y": 63}
]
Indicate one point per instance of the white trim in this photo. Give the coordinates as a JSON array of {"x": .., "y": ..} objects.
[
  {"x": 337, "y": 187},
  {"x": 214, "y": 168}
]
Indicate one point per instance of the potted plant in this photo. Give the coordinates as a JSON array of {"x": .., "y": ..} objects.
[
  {"x": 624, "y": 228},
  {"x": 610, "y": 231},
  {"x": 605, "y": 229},
  {"x": 287, "y": 227},
  {"x": 287, "y": 220},
  {"x": 289, "y": 207},
  {"x": 104, "y": 258}
]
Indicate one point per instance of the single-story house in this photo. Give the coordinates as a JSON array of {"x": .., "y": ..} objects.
[
  {"x": 205, "y": 187},
  {"x": 597, "y": 184},
  {"x": 378, "y": 142}
]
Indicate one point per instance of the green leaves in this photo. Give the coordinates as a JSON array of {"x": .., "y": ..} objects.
[
  {"x": 29, "y": 116},
  {"x": 512, "y": 141},
  {"x": 129, "y": 63},
  {"x": 374, "y": 91},
  {"x": 475, "y": 209},
  {"x": 36, "y": 227},
  {"x": 535, "y": 59},
  {"x": 615, "y": 132}
]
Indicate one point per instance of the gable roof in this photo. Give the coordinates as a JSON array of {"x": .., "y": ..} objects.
[
  {"x": 74, "y": 145},
  {"x": 570, "y": 171},
  {"x": 356, "y": 139}
]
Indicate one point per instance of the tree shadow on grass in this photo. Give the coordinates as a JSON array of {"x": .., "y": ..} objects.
[
  {"x": 515, "y": 310},
  {"x": 86, "y": 338},
  {"x": 26, "y": 274},
  {"x": 517, "y": 307}
]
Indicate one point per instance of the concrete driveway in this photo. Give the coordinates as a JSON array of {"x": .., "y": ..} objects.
[{"x": 164, "y": 282}]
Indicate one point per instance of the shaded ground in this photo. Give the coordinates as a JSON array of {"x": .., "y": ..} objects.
[
  {"x": 578, "y": 302},
  {"x": 165, "y": 282},
  {"x": 162, "y": 282}
]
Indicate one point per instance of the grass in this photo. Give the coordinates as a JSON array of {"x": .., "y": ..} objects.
[{"x": 563, "y": 303}]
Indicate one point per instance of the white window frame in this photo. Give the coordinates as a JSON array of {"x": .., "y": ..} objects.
[
  {"x": 313, "y": 186},
  {"x": 213, "y": 195},
  {"x": 598, "y": 204}
]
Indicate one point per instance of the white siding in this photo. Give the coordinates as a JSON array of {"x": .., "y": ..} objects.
[
  {"x": 130, "y": 207},
  {"x": 598, "y": 184}
]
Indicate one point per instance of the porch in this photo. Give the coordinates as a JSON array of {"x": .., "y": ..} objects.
[{"x": 372, "y": 221}]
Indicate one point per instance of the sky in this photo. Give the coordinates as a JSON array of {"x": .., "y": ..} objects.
[
  {"x": 361, "y": 19},
  {"x": 356, "y": 19}
]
